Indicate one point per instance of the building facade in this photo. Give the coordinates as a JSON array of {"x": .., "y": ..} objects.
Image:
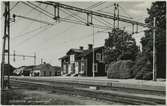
[
  {"x": 45, "y": 70},
  {"x": 80, "y": 62}
]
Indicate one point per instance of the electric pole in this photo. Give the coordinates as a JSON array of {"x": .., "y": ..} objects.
[
  {"x": 35, "y": 58},
  {"x": 117, "y": 15},
  {"x": 154, "y": 51},
  {"x": 115, "y": 7},
  {"x": 6, "y": 46},
  {"x": 93, "y": 65},
  {"x": 14, "y": 54}
]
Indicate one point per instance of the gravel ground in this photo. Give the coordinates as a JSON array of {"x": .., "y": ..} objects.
[{"x": 36, "y": 97}]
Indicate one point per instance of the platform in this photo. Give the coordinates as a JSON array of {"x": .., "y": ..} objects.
[{"x": 103, "y": 81}]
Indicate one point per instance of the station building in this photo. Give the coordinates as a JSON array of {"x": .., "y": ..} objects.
[{"x": 80, "y": 62}]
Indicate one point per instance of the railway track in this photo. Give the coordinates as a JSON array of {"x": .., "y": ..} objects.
[{"x": 79, "y": 90}]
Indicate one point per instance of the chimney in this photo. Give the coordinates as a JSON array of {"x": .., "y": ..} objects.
[
  {"x": 81, "y": 47},
  {"x": 90, "y": 46}
]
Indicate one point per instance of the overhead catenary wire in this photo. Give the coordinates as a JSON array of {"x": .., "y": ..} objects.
[
  {"x": 101, "y": 22},
  {"x": 112, "y": 13},
  {"x": 125, "y": 11},
  {"x": 29, "y": 32},
  {"x": 51, "y": 14},
  {"x": 34, "y": 30},
  {"x": 14, "y": 6},
  {"x": 37, "y": 10},
  {"x": 31, "y": 23},
  {"x": 96, "y": 5},
  {"x": 32, "y": 19},
  {"x": 109, "y": 6},
  {"x": 90, "y": 7},
  {"x": 36, "y": 6},
  {"x": 76, "y": 14},
  {"x": 34, "y": 35},
  {"x": 105, "y": 21},
  {"x": 79, "y": 23},
  {"x": 72, "y": 16}
]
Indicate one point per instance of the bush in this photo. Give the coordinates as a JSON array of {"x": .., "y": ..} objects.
[
  {"x": 148, "y": 76},
  {"x": 120, "y": 69},
  {"x": 145, "y": 71}
]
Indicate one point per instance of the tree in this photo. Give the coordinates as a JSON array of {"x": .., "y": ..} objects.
[
  {"x": 157, "y": 10},
  {"x": 120, "y": 46}
]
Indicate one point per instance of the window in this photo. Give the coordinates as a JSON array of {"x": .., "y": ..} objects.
[
  {"x": 98, "y": 56},
  {"x": 64, "y": 68},
  {"x": 50, "y": 73},
  {"x": 82, "y": 67},
  {"x": 55, "y": 73},
  {"x": 95, "y": 67},
  {"x": 44, "y": 73},
  {"x": 102, "y": 58},
  {"x": 72, "y": 58}
]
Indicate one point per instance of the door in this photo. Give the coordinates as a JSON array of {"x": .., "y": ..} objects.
[{"x": 76, "y": 68}]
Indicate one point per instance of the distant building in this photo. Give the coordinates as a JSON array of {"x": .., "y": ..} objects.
[
  {"x": 80, "y": 62},
  {"x": 24, "y": 70},
  {"x": 18, "y": 71},
  {"x": 58, "y": 70},
  {"x": 39, "y": 70}
]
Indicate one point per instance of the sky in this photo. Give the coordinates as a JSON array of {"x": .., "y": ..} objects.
[{"x": 51, "y": 42}]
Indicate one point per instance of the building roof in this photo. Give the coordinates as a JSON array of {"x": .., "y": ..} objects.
[
  {"x": 75, "y": 51},
  {"x": 63, "y": 57},
  {"x": 87, "y": 52},
  {"x": 82, "y": 52},
  {"x": 72, "y": 50},
  {"x": 43, "y": 65}
]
